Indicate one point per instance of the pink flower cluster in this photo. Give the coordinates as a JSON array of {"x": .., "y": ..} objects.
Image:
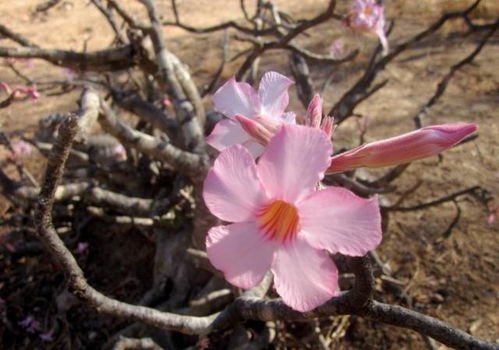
[{"x": 277, "y": 219}]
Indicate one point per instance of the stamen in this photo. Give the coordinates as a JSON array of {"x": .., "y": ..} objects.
[{"x": 279, "y": 220}]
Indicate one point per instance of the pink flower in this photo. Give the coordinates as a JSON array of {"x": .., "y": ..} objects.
[
  {"x": 405, "y": 148},
  {"x": 368, "y": 16},
  {"x": 280, "y": 223},
  {"x": 267, "y": 106}
]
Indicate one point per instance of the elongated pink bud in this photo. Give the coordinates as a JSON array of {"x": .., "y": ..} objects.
[
  {"x": 405, "y": 148},
  {"x": 314, "y": 112},
  {"x": 254, "y": 129}
]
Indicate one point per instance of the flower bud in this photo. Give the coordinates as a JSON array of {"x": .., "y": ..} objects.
[
  {"x": 314, "y": 112},
  {"x": 254, "y": 129},
  {"x": 405, "y": 148}
]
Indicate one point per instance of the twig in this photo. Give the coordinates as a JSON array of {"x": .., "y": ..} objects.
[
  {"x": 448, "y": 198},
  {"x": 110, "y": 19},
  {"x": 18, "y": 38},
  {"x": 442, "y": 85},
  {"x": 47, "y": 5}
]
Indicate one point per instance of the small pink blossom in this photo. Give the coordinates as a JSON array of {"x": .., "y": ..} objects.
[
  {"x": 167, "y": 102},
  {"x": 493, "y": 212},
  {"x": 119, "y": 153},
  {"x": 267, "y": 106},
  {"x": 30, "y": 324},
  {"x": 81, "y": 248},
  {"x": 4, "y": 240},
  {"x": 47, "y": 336},
  {"x": 279, "y": 222},
  {"x": 20, "y": 149},
  {"x": 422, "y": 143},
  {"x": 368, "y": 16},
  {"x": 337, "y": 48},
  {"x": 5, "y": 87}
]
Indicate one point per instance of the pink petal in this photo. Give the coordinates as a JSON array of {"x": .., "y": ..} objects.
[
  {"x": 273, "y": 92},
  {"x": 232, "y": 190},
  {"x": 236, "y": 98},
  {"x": 288, "y": 118},
  {"x": 241, "y": 252},
  {"x": 254, "y": 147},
  {"x": 337, "y": 220},
  {"x": 226, "y": 133},
  {"x": 304, "y": 277},
  {"x": 294, "y": 162}
]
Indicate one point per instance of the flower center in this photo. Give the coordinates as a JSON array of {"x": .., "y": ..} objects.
[
  {"x": 278, "y": 220},
  {"x": 368, "y": 10}
]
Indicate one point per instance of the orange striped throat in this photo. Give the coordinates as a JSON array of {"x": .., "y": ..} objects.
[{"x": 279, "y": 221}]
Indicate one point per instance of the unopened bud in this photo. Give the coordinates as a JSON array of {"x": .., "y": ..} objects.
[
  {"x": 254, "y": 129},
  {"x": 405, "y": 148}
]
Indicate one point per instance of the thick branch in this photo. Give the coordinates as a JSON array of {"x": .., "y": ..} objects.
[
  {"x": 184, "y": 162},
  {"x": 101, "y": 61}
]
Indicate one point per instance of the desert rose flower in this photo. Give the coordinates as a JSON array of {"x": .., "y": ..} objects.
[
  {"x": 279, "y": 222},
  {"x": 368, "y": 16},
  {"x": 267, "y": 106},
  {"x": 425, "y": 142}
]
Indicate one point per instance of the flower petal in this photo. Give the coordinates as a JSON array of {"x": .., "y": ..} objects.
[
  {"x": 236, "y": 98},
  {"x": 227, "y": 133},
  {"x": 339, "y": 221},
  {"x": 273, "y": 92},
  {"x": 294, "y": 162},
  {"x": 241, "y": 252},
  {"x": 232, "y": 189},
  {"x": 288, "y": 118},
  {"x": 254, "y": 147},
  {"x": 304, "y": 277}
]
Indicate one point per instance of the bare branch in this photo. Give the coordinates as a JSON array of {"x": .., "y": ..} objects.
[
  {"x": 168, "y": 65},
  {"x": 184, "y": 162},
  {"x": 110, "y": 19},
  {"x": 442, "y": 85},
  {"x": 345, "y": 106},
  {"x": 18, "y": 38},
  {"x": 105, "y": 60},
  {"x": 448, "y": 198}
]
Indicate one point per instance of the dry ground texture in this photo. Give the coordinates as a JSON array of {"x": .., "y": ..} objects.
[{"x": 450, "y": 274}]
